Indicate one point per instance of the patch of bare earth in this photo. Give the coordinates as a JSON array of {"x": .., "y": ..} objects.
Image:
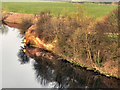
[{"x": 17, "y": 17}]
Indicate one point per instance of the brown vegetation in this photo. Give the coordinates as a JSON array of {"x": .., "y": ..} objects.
[
  {"x": 83, "y": 41},
  {"x": 25, "y": 25},
  {"x": 80, "y": 39}
]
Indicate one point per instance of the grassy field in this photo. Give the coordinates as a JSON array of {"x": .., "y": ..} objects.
[{"x": 94, "y": 10}]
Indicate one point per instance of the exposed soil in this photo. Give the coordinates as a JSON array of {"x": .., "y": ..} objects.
[{"x": 17, "y": 17}]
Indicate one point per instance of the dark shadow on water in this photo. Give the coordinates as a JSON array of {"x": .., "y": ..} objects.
[{"x": 63, "y": 73}]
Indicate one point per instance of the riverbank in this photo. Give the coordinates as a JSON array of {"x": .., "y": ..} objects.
[
  {"x": 50, "y": 64},
  {"x": 106, "y": 67}
]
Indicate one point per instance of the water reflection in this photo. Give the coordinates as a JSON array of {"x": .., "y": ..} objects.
[
  {"x": 3, "y": 29},
  {"x": 23, "y": 58},
  {"x": 62, "y": 73},
  {"x": 15, "y": 75}
]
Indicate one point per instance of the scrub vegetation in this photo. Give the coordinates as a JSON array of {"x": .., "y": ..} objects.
[
  {"x": 82, "y": 40},
  {"x": 26, "y": 23}
]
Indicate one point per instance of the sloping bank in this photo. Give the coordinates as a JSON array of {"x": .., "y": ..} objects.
[{"x": 108, "y": 68}]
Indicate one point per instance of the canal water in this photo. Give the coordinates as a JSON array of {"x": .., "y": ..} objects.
[
  {"x": 25, "y": 70},
  {"x": 14, "y": 74}
]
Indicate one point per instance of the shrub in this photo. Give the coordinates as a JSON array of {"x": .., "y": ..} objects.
[
  {"x": 64, "y": 30},
  {"x": 77, "y": 40},
  {"x": 45, "y": 27},
  {"x": 26, "y": 23},
  {"x": 81, "y": 37},
  {"x": 103, "y": 46},
  {"x": 71, "y": 35}
]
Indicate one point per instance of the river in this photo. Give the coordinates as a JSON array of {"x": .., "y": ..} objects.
[
  {"x": 25, "y": 70},
  {"x": 14, "y": 74}
]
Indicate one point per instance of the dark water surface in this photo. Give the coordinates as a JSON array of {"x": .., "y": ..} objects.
[{"x": 30, "y": 70}]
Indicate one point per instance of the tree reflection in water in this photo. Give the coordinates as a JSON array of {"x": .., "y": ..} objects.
[
  {"x": 3, "y": 29},
  {"x": 66, "y": 75},
  {"x": 22, "y": 57}
]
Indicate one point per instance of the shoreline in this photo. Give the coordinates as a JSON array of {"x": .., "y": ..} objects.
[{"x": 14, "y": 19}]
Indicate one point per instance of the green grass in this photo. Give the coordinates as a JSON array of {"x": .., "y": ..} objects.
[
  {"x": 96, "y": 10},
  {"x": 93, "y": 10}
]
